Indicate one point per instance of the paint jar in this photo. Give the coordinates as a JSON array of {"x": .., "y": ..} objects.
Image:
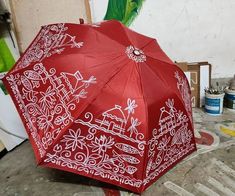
[
  {"x": 214, "y": 104},
  {"x": 229, "y": 99}
]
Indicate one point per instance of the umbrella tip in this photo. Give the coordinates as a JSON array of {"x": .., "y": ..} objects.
[{"x": 81, "y": 20}]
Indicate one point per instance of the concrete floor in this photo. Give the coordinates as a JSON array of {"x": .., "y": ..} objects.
[{"x": 209, "y": 171}]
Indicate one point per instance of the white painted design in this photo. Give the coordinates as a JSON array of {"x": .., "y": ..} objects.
[
  {"x": 135, "y": 54},
  {"x": 113, "y": 119},
  {"x": 230, "y": 182},
  {"x": 117, "y": 121},
  {"x": 177, "y": 189},
  {"x": 74, "y": 140},
  {"x": 127, "y": 158},
  {"x": 220, "y": 187},
  {"x": 128, "y": 149},
  {"x": 83, "y": 150},
  {"x": 226, "y": 180},
  {"x": 102, "y": 144},
  {"x": 48, "y": 111},
  {"x": 95, "y": 147},
  {"x": 205, "y": 190},
  {"x": 223, "y": 167},
  {"x": 90, "y": 155},
  {"x": 130, "y": 169},
  {"x": 51, "y": 40},
  {"x": 184, "y": 90},
  {"x": 171, "y": 140}
]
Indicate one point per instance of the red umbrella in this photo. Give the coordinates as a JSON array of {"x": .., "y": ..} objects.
[{"x": 104, "y": 102}]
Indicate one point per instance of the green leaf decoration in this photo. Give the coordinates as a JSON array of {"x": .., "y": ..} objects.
[{"x": 123, "y": 10}]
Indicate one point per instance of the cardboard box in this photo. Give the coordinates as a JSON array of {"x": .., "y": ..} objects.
[{"x": 199, "y": 77}]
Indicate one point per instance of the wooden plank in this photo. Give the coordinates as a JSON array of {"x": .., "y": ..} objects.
[
  {"x": 88, "y": 11},
  {"x": 29, "y": 16}
]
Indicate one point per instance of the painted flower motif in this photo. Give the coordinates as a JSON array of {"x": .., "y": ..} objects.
[
  {"x": 102, "y": 144},
  {"x": 47, "y": 100},
  {"x": 181, "y": 117},
  {"x": 63, "y": 119},
  {"x": 45, "y": 121},
  {"x": 163, "y": 143},
  {"x": 131, "y": 105},
  {"x": 134, "y": 123},
  {"x": 74, "y": 140}
]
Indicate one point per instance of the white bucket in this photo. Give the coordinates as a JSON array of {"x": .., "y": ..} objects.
[
  {"x": 214, "y": 104},
  {"x": 229, "y": 99}
]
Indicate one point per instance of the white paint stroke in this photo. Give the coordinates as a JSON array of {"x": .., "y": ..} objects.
[
  {"x": 223, "y": 167},
  {"x": 226, "y": 179},
  {"x": 227, "y": 144},
  {"x": 204, "y": 150},
  {"x": 220, "y": 187},
  {"x": 177, "y": 189},
  {"x": 204, "y": 189},
  {"x": 197, "y": 133}
]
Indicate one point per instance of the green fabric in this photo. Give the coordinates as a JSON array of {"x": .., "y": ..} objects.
[
  {"x": 3, "y": 88},
  {"x": 123, "y": 10},
  {"x": 6, "y": 58}
]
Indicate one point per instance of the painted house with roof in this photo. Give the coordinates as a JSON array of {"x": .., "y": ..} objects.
[
  {"x": 67, "y": 84},
  {"x": 113, "y": 120},
  {"x": 166, "y": 120}
]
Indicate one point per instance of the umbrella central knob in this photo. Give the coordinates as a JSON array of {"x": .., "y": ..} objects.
[{"x": 136, "y": 52}]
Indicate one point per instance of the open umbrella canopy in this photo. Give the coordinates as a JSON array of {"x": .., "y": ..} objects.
[{"x": 103, "y": 101}]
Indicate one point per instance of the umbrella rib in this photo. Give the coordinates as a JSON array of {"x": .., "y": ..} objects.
[
  {"x": 157, "y": 76},
  {"x": 110, "y": 37},
  {"x": 165, "y": 82},
  {"x": 154, "y": 40},
  {"x": 172, "y": 64},
  {"x": 151, "y": 39},
  {"x": 146, "y": 114},
  {"x": 180, "y": 97},
  {"x": 113, "y": 59},
  {"x": 127, "y": 79}
]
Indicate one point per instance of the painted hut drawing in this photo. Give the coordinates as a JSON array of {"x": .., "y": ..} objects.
[
  {"x": 113, "y": 120},
  {"x": 166, "y": 120},
  {"x": 67, "y": 84}
]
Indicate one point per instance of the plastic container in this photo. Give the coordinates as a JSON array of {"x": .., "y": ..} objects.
[
  {"x": 229, "y": 99},
  {"x": 214, "y": 104}
]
